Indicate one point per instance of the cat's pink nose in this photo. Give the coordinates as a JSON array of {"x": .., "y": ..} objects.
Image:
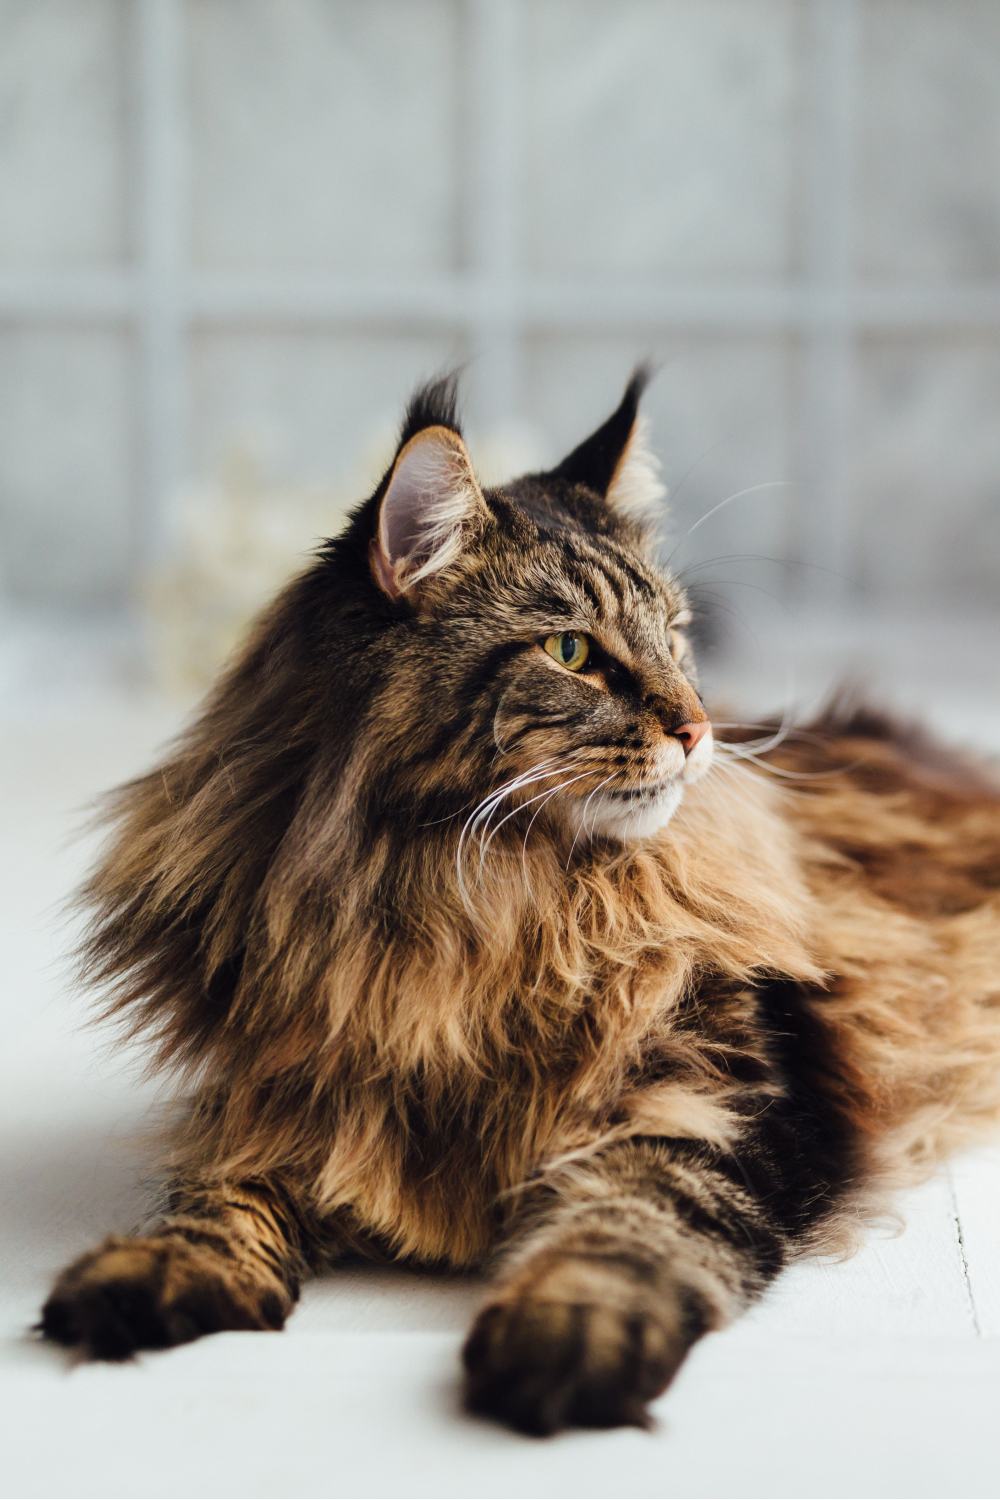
[{"x": 690, "y": 734}]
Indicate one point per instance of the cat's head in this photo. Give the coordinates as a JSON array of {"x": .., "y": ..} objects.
[
  {"x": 455, "y": 658},
  {"x": 517, "y": 650}
]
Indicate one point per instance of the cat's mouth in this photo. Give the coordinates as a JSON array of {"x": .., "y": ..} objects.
[
  {"x": 641, "y": 810},
  {"x": 645, "y": 792}
]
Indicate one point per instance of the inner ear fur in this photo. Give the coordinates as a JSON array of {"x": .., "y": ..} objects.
[
  {"x": 636, "y": 487},
  {"x": 431, "y": 507}
]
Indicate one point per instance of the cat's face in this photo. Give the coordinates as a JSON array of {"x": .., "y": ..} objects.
[
  {"x": 539, "y": 662},
  {"x": 601, "y": 706}
]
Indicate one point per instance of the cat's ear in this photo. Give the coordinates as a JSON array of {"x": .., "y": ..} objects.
[
  {"x": 616, "y": 461},
  {"x": 431, "y": 506}
]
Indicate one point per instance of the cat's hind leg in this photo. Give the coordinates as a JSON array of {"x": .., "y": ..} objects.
[{"x": 225, "y": 1256}]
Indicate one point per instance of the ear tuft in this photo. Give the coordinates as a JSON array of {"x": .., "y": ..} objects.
[
  {"x": 434, "y": 404},
  {"x": 431, "y": 505}
]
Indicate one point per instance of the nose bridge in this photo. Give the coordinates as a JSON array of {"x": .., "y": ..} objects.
[{"x": 669, "y": 695}]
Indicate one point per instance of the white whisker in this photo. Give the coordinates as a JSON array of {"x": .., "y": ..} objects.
[
  {"x": 485, "y": 808},
  {"x": 549, "y": 791},
  {"x": 583, "y": 816},
  {"x": 483, "y": 821},
  {"x": 799, "y": 734},
  {"x": 753, "y": 489},
  {"x": 548, "y": 798},
  {"x": 742, "y": 753}
]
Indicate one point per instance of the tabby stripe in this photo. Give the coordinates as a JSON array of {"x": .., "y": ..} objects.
[
  {"x": 463, "y": 727},
  {"x": 607, "y": 597},
  {"x": 209, "y": 1239},
  {"x": 743, "y": 1232},
  {"x": 260, "y": 1214},
  {"x": 642, "y": 584},
  {"x": 287, "y": 1219},
  {"x": 547, "y": 721},
  {"x": 578, "y": 577},
  {"x": 272, "y": 1261},
  {"x": 617, "y": 580},
  {"x": 446, "y": 735},
  {"x": 556, "y": 606},
  {"x": 640, "y": 1268},
  {"x": 608, "y": 568},
  {"x": 497, "y": 658}
]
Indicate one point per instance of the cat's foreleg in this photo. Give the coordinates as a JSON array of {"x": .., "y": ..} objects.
[
  {"x": 225, "y": 1256},
  {"x": 618, "y": 1268}
]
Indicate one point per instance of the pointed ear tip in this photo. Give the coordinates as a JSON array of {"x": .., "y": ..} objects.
[
  {"x": 436, "y": 434},
  {"x": 429, "y": 449},
  {"x": 433, "y": 404},
  {"x": 431, "y": 465},
  {"x": 640, "y": 378}
]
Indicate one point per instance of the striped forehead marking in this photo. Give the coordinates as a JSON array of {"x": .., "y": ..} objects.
[{"x": 627, "y": 609}]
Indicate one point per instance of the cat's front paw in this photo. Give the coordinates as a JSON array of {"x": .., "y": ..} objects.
[
  {"x": 131, "y": 1294},
  {"x": 540, "y": 1364}
]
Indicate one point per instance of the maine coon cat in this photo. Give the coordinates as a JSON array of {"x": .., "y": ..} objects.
[{"x": 472, "y": 943}]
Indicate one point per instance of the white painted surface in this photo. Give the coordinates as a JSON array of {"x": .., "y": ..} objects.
[{"x": 878, "y": 1376}]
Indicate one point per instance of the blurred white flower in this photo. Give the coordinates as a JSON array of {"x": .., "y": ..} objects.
[{"x": 235, "y": 540}]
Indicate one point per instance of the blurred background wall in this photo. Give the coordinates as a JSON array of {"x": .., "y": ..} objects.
[{"x": 234, "y": 233}]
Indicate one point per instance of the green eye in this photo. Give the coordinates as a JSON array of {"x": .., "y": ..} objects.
[{"x": 569, "y": 649}]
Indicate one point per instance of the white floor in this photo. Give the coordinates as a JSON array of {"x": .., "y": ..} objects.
[{"x": 877, "y": 1377}]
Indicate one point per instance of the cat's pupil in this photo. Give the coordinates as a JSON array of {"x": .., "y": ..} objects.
[{"x": 568, "y": 647}]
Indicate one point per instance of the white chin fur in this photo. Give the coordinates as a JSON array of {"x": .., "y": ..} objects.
[
  {"x": 617, "y": 819},
  {"x": 628, "y": 820}
]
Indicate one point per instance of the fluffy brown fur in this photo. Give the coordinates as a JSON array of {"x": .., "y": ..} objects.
[{"x": 408, "y": 904}]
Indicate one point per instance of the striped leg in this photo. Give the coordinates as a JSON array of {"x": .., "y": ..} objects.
[
  {"x": 225, "y": 1256},
  {"x": 632, "y": 1257}
]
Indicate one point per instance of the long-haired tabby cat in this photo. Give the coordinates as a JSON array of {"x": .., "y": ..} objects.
[{"x": 472, "y": 943}]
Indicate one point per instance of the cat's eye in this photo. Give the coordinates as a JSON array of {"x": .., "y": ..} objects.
[{"x": 569, "y": 649}]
